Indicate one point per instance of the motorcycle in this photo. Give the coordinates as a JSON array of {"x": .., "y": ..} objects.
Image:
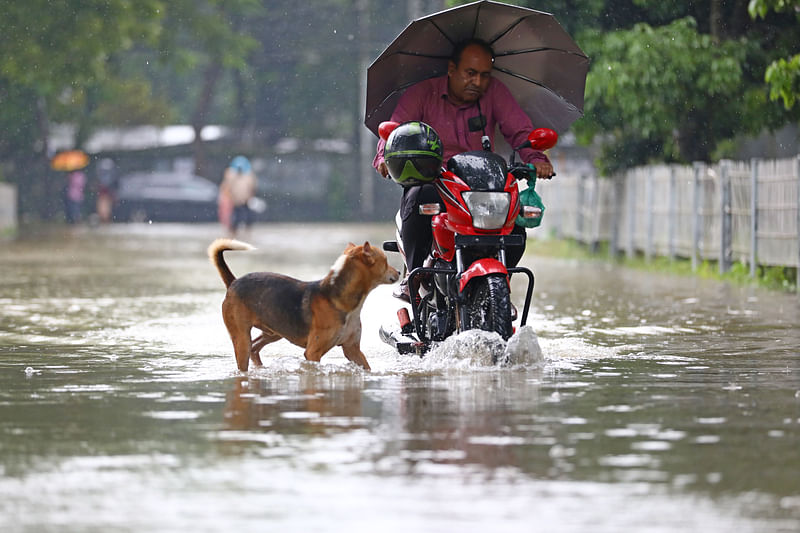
[{"x": 465, "y": 282}]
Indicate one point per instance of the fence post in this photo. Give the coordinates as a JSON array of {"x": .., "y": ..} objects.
[
  {"x": 558, "y": 201},
  {"x": 696, "y": 216},
  {"x": 672, "y": 216},
  {"x": 649, "y": 215},
  {"x": 580, "y": 200},
  {"x": 754, "y": 162},
  {"x": 616, "y": 214},
  {"x": 594, "y": 215},
  {"x": 631, "y": 205},
  {"x": 725, "y": 250},
  {"x": 797, "y": 181}
]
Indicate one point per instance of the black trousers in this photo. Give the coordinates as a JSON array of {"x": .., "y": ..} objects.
[{"x": 416, "y": 232}]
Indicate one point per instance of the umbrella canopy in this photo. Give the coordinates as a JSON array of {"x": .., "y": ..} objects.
[
  {"x": 69, "y": 160},
  {"x": 534, "y": 57}
]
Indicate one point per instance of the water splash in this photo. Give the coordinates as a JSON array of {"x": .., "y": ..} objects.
[
  {"x": 470, "y": 348},
  {"x": 476, "y": 349},
  {"x": 523, "y": 348}
]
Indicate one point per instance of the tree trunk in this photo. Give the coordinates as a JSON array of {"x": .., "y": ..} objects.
[
  {"x": 242, "y": 121},
  {"x": 716, "y": 23},
  {"x": 201, "y": 112},
  {"x": 85, "y": 126},
  {"x": 47, "y": 195},
  {"x": 694, "y": 143}
]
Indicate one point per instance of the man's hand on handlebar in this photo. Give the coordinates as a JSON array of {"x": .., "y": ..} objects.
[{"x": 544, "y": 170}]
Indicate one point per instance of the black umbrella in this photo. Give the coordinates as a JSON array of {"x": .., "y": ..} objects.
[{"x": 535, "y": 58}]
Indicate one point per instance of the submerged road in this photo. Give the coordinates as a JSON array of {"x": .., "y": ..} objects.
[{"x": 659, "y": 403}]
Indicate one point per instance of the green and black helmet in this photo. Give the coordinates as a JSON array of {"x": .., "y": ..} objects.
[{"x": 413, "y": 154}]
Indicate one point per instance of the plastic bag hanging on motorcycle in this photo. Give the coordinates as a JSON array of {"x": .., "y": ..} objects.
[{"x": 532, "y": 206}]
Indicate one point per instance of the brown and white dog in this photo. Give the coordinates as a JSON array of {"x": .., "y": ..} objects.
[{"x": 316, "y": 315}]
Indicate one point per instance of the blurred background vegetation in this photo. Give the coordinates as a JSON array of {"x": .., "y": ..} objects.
[{"x": 675, "y": 81}]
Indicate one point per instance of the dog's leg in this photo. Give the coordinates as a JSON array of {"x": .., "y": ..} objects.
[
  {"x": 314, "y": 353},
  {"x": 258, "y": 343},
  {"x": 318, "y": 345},
  {"x": 239, "y": 330},
  {"x": 241, "y": 347},
  {"x": 353, "y": 353}
]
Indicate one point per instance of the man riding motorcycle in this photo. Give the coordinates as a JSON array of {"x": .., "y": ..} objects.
[{"x": 464, "y": 107}]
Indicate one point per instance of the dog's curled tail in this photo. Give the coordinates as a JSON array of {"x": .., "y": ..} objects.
[{"x": 215, "y": 254}]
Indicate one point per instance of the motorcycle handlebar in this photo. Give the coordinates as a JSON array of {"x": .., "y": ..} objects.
[{"x": 524, "y": 171}]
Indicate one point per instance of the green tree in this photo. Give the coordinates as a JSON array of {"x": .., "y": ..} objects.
[
  {"x": 675, "y": 81},
  {"x": 294, "y": 72},
  {"x": 54, "y": 58},
  {"x": 86, "y": 64},
  {"x": 668, "y": 89},
  {"x": 782, "y": 75},
  {"x": 207, "y": 41}
]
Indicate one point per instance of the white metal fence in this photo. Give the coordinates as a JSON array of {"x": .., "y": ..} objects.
[{"x": 746, "y": 211}]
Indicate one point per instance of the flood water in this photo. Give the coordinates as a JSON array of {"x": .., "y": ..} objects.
[{"x": 658, "y": 404}]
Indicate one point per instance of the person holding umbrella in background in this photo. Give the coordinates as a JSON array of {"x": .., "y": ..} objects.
[{"x": 72, "y": 162}]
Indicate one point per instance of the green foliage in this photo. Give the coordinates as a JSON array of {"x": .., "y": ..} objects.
[
  {"x": 760, "y": 8},
  {"x": 54, "y": 56},
  {"x": 661, "y": 92},
  {"x": 684, "y": 80},
  {"x": 52, "y": 46},
  {"x": 784, "y": 79},
  {"x": 670, "y": 81},
  {"x": 131, "y": 102},
  {"x": 782, "y": 75}
]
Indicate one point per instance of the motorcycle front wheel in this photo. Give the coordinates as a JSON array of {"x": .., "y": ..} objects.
[{"x": 488, "y": 305}]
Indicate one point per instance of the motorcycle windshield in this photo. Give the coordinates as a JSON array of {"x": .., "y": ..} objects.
[{"x": 481, "y": 170}]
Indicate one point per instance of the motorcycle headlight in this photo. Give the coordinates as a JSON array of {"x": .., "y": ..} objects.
[{"x": 489, "y": 209}]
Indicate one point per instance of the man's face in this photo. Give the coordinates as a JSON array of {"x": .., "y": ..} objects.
[{"x": 468, "y": 80}]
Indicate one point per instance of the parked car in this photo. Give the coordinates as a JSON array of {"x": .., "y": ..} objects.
[{"x": 165, "y": 197}]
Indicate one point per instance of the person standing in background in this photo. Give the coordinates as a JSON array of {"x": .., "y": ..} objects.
[
  {"x": 238, "y": 188},
  {"x": 105, "y": 190},
  {"x": 73, "y": 196}
]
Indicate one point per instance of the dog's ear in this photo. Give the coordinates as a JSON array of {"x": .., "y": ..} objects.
[
  {"x": 349, "y": 246},
  {"x": 367, "y": 254}
]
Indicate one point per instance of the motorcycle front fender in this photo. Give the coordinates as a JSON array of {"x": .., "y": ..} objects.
[{"x": 481, "y": 267}]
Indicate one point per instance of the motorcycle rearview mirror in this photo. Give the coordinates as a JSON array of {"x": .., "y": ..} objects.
[
  {"x": 540, "y": 139},
  {"x": 386, "y": 128}
]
